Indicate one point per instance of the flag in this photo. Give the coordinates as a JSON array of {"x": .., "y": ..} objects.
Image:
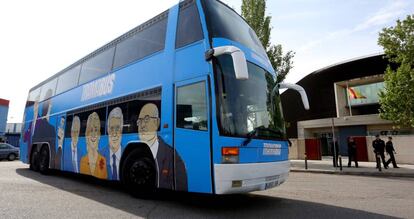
[{"x": 355, "y": 94}]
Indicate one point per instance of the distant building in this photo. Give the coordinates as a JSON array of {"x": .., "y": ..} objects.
[
  {"x": 343, "y": 97},
  {"x": 12, "y": 135},
  {"x": 4, "y": 110}
]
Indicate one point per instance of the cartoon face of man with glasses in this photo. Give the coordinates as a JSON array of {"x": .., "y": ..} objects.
[{"x": 148, "y": 123}]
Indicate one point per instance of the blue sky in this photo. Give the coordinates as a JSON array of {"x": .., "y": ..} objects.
[
  {"x": 42, "y": 37},
  {"x": 325, "y": 32}
]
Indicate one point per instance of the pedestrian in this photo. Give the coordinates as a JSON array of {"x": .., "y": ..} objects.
[
  {"x": 379, "y": 148},
  {"x": 389, "y": 147},
  {"x": 352, "y": 152},
  {"x": 335, "y": 152}
]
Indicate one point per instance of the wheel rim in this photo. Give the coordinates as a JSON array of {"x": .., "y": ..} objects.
[
  {"x": 141, "y": 174},
  {"x": 12, "y": 157}
]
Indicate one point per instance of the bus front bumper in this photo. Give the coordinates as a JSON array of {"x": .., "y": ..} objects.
[{"x": 242, "y": 178}]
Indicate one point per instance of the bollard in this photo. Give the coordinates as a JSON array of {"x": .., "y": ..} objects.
[
  {"x": 340, "y": 162},
  {"x": 306, "y": 162}
]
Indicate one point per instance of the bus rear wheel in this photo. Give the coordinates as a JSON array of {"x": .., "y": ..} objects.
[
  {"x": 34, "y": 162},
  {"x": 44, "y": 160},
  {"x": 139, "y": 175}
]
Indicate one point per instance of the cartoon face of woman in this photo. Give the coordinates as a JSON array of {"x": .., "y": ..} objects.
[
  {"x": 74, "y": 131},
  {"x": 115, "y": 125},
  {"x": 93, "y": 131}
]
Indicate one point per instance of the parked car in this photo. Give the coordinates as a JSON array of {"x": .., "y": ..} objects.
[{"x": 8, "y": 151}]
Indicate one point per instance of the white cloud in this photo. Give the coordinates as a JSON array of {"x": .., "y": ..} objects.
[{"x": 385, "y": 15}]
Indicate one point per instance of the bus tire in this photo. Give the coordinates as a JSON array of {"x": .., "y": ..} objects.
[
  {"x": 44, "y": 160},
  {"x": 34, "y": 162},
  {"x": 139, "y": 174}
]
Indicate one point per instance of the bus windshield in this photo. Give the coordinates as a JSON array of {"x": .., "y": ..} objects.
[
  {"x": 223, "y": 22},
  {"x": 246, "y": 108}
]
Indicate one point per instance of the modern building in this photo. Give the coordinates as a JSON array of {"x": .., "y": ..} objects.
[
  {"x": 4, "y": 110},
  {"x": 344, "y": 102},
  {"x": 12, "y": 135}
]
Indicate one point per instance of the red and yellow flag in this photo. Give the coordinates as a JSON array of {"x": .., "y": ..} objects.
[{"x": 355, "y": 94}]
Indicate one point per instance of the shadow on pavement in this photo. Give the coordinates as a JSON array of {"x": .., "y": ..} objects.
[{"x": 190, "y": 205}]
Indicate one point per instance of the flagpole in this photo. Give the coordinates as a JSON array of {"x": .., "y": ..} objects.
[{"x": 349, "y": 99}]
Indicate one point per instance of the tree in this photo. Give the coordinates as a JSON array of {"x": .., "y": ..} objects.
[
  {"x": 254, "y": 12},
  {"x": 397, "y": 99}
]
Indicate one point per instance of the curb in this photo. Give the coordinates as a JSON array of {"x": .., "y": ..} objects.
[{"x": 376, "y": 174}]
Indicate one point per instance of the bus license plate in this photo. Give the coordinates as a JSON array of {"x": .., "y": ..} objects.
[{"x": 271, "y": 149}]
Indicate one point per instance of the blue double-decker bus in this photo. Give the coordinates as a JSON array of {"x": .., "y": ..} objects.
[{"x": 187, "y": 101}]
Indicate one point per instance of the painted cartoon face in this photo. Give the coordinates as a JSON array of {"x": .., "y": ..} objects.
[
  {"x": 74, "y": 132},
  {"x": 115, "y": 124},
  {"x": 93, "y": 131},
  {"x": 61, "y": 132},
  {"x": 148, "y": 122}
]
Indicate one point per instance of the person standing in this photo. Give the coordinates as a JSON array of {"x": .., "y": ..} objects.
[
  {"x": 389, "y": 147},
  {"x": 352, "y": 152},
  {"x": 379, "y": 148},
  {"x": 335, "y": 152}
]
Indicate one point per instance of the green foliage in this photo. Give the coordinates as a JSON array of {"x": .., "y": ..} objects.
[
  {"x": 254, "y": 12},
  {"x": 397, "y": 100}
]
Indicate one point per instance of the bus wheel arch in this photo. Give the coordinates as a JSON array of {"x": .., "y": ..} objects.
[{"x": 137, "y": 160}]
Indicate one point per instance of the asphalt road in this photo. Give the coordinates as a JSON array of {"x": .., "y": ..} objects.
[{"x": 26, "y": 194}]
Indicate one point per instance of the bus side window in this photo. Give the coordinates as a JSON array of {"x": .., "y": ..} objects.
[
  {"x": 97, "y": 66},
  {"x": 68, "y": 80},
  {"x": 192, "y": 107},
  {"x": 189, "y": 25},
  {"x": 143, "y": 43},
  {"x": 48, "y": 90}
]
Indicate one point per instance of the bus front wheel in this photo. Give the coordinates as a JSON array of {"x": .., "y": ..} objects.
[
  {"x": 44, "y": 160},
  {"x": 139, "y": 174}
]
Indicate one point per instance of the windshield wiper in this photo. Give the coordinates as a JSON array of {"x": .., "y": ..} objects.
[{"x": 250, "y": 135}]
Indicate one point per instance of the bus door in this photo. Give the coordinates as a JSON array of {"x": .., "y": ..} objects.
[{"x": 192, "y": 136}]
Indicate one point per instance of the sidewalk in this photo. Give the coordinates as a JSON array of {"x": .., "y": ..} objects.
[{"x": 364, "y": 168}]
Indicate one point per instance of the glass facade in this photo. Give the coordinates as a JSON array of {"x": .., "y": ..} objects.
[{"x": 364, "y": 94}]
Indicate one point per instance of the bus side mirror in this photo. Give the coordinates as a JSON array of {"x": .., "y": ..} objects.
[
  {"x": 299, "y": 89},
  {"x": 239, "y": 60}
]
